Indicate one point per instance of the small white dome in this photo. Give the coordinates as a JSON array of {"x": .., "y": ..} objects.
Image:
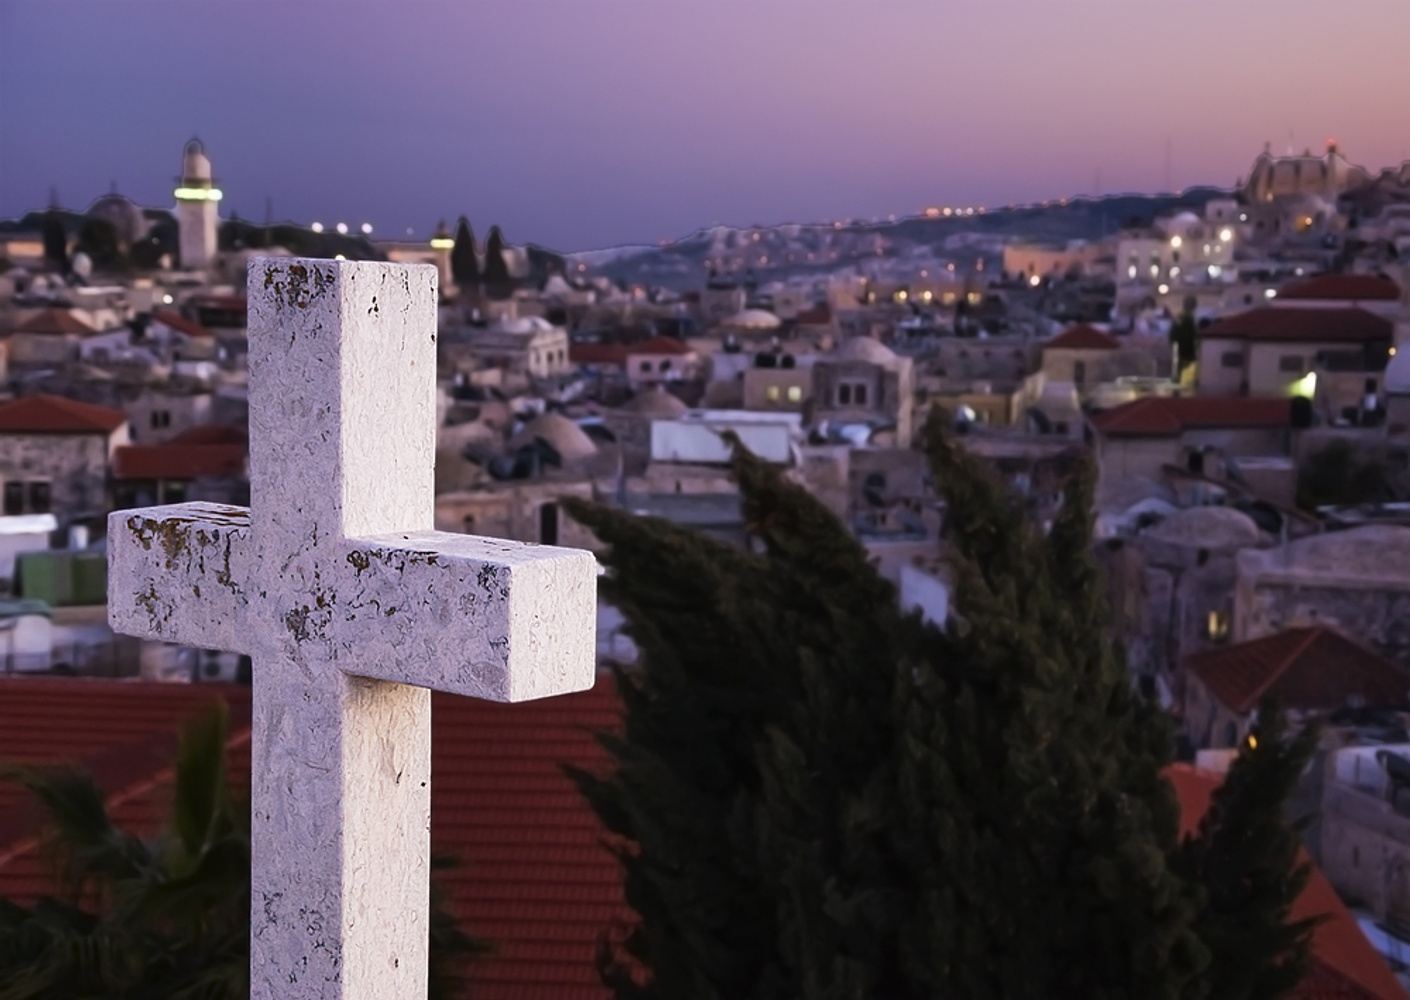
[
  {"x": 556, "y": 430},
  {"x": 866, "y": 349},
  {"x": 195, "y": 165},
  {"x": 1208, "y": 528},
  {"x": 657, "y": 404},
  {"x": 524, "y": 324},
  {"x": 754, "y": 319}
]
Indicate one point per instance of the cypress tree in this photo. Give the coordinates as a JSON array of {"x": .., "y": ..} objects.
[
  {"x": 818, "y": 796},
  {"x": 464, "y": 264},
  {"x": 1247, "y": 855},
  {"x": 498, "y": 283},
  {"x": 56, "y": 250}
]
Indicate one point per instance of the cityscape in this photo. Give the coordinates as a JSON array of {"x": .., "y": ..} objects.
[{"x": 998, "y": 588}]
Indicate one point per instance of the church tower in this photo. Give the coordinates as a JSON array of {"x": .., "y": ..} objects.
[{"x": 196, "y": 204}]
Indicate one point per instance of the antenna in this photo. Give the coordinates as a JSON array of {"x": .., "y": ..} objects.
[{"x": 1169, "y": 157}]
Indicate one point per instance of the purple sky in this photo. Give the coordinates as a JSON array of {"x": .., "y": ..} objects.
[{"x": 581, "y": 123}]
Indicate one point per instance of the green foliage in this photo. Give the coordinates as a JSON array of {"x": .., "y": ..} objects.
[
  {"x": 98, "y": 239},
  {"x": 464, "y": 265},
  {"x": 56, "y": 239},
  {"x": 1184, "y": 335},
  {"x": 1337, "y": 474},
  {"x": 820, "y": 797},
  {"x": 498, "y": 283},
  {"x": 163, "y": 918},
  {"x": 1248, "y": 857}
]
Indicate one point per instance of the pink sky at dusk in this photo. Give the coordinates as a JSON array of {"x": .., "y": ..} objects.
[{"x": 579, "y": 123}]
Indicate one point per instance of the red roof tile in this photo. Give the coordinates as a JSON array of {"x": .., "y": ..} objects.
[
  {"x": 1344, "y": 965},
  {"x": 597, "y": 354},
  {"x": 1269, "y": 323},
  {"x": 1164, "y": 416},
  {"x": 658, "y": 345},
  {"x": 54, "y": 322},
  {"x": 56, "y": 415},
  {"x": 536, "y": 879},
  {"x": 1342, "y": 287},
  {"x": 1303, "y": 668},
  {"x": 180, "y": 323},
  {"x": 1083, "y": 337},
  {"x": 174, "y": 461},
  {"x": 818, "y": 315}
]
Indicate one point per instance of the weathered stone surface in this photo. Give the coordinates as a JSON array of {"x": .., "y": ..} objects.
[{"x": 352, "y": 607}]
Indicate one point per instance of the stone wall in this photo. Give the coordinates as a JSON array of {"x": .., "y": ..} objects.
[{"x": 74, "y": 465}]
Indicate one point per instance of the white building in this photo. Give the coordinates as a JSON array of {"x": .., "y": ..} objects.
[{"x": 197, "y": 199}]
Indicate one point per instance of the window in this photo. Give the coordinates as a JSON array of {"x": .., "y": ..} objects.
[
  {"x": 666, "y": 365},
  {"x": 1232, "y": 359},
  {"x": 859, "y": 393},
  {"x": 771, "y": 393},
  {"x": 1290, "y": 363},
  {"x": 1079, "y": 372},
  {"x": 1217, "y": 626},
  {"x": 844, "y": 394},
  {"x": 645, "y": 366},
  {"x": 14, "y": 498},
  {"x": 548, "y": 524},
  {"x": 795, "y": 393},
  {"x": 39, "y": 497},
  {"x": 160, "y": 419}
]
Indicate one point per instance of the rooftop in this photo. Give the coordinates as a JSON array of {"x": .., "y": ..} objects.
[
  {"x": 1083, "y": 337},
  {"x": 53, "y": 322},
  {"x": 1303, "y": 668},
  {"x": 1166, "y": 416},
  {"x": 56, "y": 415},
  {"x": 1342, "y": 287},
  {"x": 1269, "y": 323}
]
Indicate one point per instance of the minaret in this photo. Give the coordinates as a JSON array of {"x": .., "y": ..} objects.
[{"x": 196, "y": 204}]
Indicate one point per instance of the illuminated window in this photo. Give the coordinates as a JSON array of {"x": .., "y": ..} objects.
[
  {"x": 1217, "y": 626},
  {"x": 795, "y": 393},
  {"x": 771, "y": 394}
]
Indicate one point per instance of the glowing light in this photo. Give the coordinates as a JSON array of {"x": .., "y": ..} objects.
[
  {"x": 1270, "y": 293},
  {"x": 902, "y": 295},
  {"x": 198, "y": 194},
  {"x": 442, "y": 243},
  {"x": 947, "y": 211},
  {"x": 1243, "y": 216},
  {"x": 1393, "y": 352},
  {"x": 168, "y": 300},
  {"x": 342, "y": 229},
  {"x": 1252, "y": 741},
  {"x": 927, "y": 295},
  {"x": 932, "y": 213},
  {"x": 1163, "y": 288},
  {"x": 1175, "y": 271},
  {"x": 1131, "y": 272},
  {"x": 1176, "y": 242},
  {"x": 1225, "y": 235},
  {"x": 1034, "y": 280},
  {"x": 1305, "y": 386},
  {"x": 338, "y": 256},
  {"x": 366, "y": 228},
  {"x": 317, "y": 227},
  {"x": 1215, "y": 270}
]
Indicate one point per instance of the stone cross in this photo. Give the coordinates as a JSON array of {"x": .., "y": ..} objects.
[{"x": 352, "y": 609}]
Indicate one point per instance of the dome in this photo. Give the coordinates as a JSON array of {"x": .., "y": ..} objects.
[
  {"x": 126, "y": 218},
  {"x": 657, "y": 404},
  {"x": 1181, "y": 222},
  {"x": 195, "y": 165},
  {"x": 753, "y": 319},
  {"x": 1207, "y": 528},
  {"x": 1397, "y": 376},
  {"x": 524, "y": 324},
  {"x": 866, "y": 349},
  {"x": 560, "y": 433}
]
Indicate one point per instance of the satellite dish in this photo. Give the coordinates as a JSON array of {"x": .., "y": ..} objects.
[{"x": 82, "y": 265}]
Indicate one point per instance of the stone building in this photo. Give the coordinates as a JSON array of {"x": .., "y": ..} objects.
[
  {"x": 54, "y": 457},
  {"x": 864, "y": 383},
  {"x": 1356, "y": 581}
]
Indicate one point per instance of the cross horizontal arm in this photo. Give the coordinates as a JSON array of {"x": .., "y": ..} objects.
[
  {"x": 494, "y": 619},
  {"x": 178, "y": 573}
]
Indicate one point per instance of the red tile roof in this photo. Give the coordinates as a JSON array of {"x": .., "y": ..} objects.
[
  {"x": 1165, "y": 416},
  {"x": 1344, "y": 964},
  {"x": 597, "y": 354},
  {"x": 1270, "y": 323},
  {"x": 185, "y": 457},
  {"x": 1303, "y": 668},
  {"x": 54, "y": 323},
  {"x": 1083, "y": 337},
  {"x": 659, "y": 345},
  {"x": 180, "y": 323},
  {"x": 818, "y": 315},
  {"x": 57, "y": 415},
  {"x": 535, "y": 879},
  {"x": 1342, "y": 287}
]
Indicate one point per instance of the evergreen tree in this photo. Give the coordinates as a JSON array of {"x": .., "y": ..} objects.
[
  {"x": 464, "y": 264},
  {"x": 498, "y": 283},
  {"x": 56, "y": 240},
  {"x": 820, "y": 797},
  {"x": 1248, "y": 857},
  {"x": 1184, "y": 336}
]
